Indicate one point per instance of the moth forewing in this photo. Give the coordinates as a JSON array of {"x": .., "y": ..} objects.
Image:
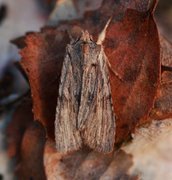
[
  {"x": 96, "y": 116},
  {"x": 89, "y": 83},
  {"x": 66, "y": 134}
]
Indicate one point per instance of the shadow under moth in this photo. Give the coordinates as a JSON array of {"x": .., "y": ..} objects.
[{"x": 84, "y": 113}]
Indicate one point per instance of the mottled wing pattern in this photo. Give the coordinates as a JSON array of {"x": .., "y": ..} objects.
[
  {"x": 66, "y": 134},
  {"x": 89, "y": 80},
  {"x": 84, "y": 108},
  {"x": 96, "y": 118}
]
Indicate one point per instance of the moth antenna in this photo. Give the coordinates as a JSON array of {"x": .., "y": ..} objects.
[
  {"x": 153, "y": 5},
  {"x": 103, "y": 33}
]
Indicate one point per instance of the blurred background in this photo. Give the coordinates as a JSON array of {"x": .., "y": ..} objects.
[{"x": 16, "y": 18}]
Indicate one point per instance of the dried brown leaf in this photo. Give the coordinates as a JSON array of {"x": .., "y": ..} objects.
[
  {"x": 18, "y": 125},
  {"x": 42, "y": 60},
  {"x": 132, "y": 48},
  {"x": 32, "y": 148},
  {"x": 95, "y": 21},
  {"x": 85, "y": 165}
]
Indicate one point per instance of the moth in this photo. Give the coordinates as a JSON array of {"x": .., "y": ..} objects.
[{"x": 84, "y": 113}]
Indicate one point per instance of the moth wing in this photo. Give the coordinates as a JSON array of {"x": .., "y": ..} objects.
[
  {"x": 96, "y": 116},
  {"x": 66, "y": 134}
]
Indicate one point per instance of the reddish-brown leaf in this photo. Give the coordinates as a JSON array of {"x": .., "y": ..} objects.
[
  {"x": 22, "y": 117},
  {"x": 32, "y": 149},
  {"x": 132, "y": 47},
  {"x": 42, "y": 61},
  {"x": 64, "y": 166}
]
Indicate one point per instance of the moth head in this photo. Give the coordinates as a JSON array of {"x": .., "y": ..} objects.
[
  {"x": 77, "y": 34},
  {"x": 86, "y": 37}
]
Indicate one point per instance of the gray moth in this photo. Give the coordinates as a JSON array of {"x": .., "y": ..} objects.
[{"x": 84, "y": 113}]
